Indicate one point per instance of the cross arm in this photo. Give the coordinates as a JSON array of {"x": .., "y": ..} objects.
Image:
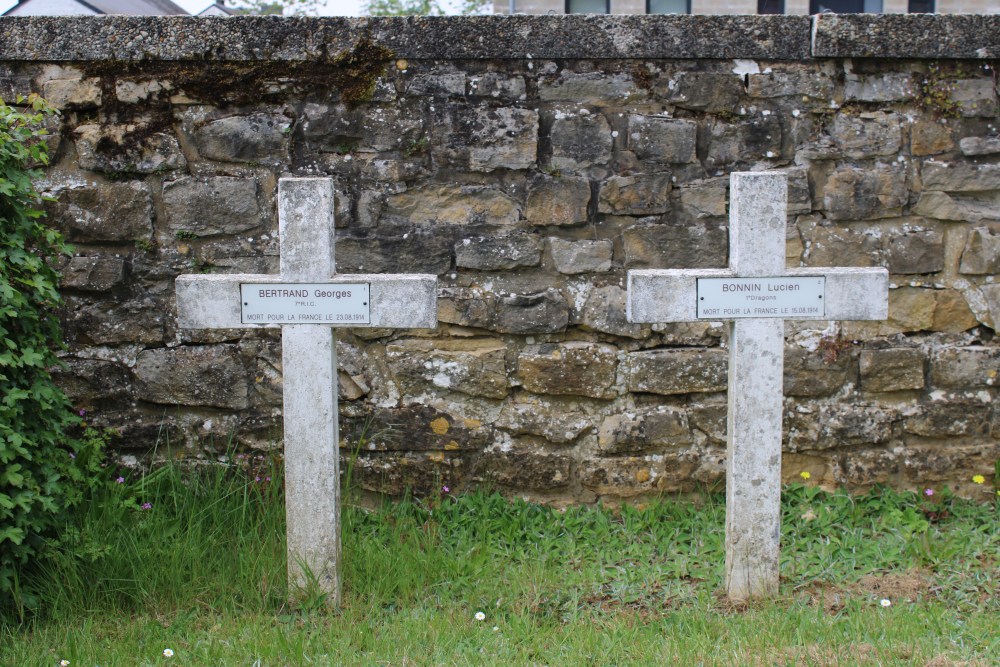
[
  {"x": 670, "y": 295},
  {"x": 397, "y": 301}
]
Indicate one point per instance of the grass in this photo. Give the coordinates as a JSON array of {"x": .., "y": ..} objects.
[{"x": 201, "y": 570}]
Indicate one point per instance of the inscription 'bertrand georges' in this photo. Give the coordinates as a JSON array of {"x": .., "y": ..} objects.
[{"x": 303, "y": 293}]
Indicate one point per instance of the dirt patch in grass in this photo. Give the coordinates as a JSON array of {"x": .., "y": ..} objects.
[{"x": 908, "y": 586}]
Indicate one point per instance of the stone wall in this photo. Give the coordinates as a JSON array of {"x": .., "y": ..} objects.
[{"x": 529, "y": 162}]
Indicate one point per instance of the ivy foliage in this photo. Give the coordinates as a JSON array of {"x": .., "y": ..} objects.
[{"x": 42, "y": 469}]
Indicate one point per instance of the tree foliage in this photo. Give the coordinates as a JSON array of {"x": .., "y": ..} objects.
[
  {"x": 421, "y": 7},
  {"x": 278, "y": 7},
  {"x": 42, "y": 470}
]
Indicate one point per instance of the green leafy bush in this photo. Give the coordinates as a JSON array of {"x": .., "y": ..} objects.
[{"x": 42, "y": 470}]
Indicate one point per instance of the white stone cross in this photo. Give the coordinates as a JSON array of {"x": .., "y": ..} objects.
[
  {"x": 756, "y": 293},
  {"x": 306, "y": 300}
]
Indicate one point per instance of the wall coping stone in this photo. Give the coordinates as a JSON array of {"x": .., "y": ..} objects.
[
  {"x": 924, "y": 36},
  {"x": 267, "y": 38}
]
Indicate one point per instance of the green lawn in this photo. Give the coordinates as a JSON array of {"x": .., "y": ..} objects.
[{"x": 882, "y": 579}]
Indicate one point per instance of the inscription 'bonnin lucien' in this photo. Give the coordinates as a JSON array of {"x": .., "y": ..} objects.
[{"x": 758, "y": 287}]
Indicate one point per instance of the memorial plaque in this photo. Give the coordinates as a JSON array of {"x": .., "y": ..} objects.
[
  {"x": 782, "y": 296},
  {"x": 334, "y": 304}
]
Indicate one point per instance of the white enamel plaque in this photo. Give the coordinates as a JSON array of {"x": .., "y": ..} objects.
[
  {"x": 729, "y": 298},
  {"x": 332, "y": 304}
]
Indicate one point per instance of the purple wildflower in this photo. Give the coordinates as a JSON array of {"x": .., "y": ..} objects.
[{"x": 928, "y": 492}]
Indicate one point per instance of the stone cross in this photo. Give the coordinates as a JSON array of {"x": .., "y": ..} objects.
[
  {"x": 306, "y": 300},
  {"x": 756, "y": 294}
]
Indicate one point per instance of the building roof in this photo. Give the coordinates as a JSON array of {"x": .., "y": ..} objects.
[{"x": 126, "y": 7}]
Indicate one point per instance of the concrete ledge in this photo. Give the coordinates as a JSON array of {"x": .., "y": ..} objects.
[
  {"x": 481, "y": 37},
  {"x": 923, "y": 36},
  {"x": 268, "y": 38}
]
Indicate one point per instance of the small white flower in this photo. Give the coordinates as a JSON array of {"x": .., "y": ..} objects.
[
  {"x": 168, "y": 653},
  {"x": 886, "y": 602},
  {"x": 480, "y": 616},
  {"x": 496, "y": 628},
  {"x": 64, "y": 663}
]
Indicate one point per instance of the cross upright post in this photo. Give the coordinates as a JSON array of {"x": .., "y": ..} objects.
[
  {"x": 307, "y": 300},
  {"x": 756, "y": 294}
]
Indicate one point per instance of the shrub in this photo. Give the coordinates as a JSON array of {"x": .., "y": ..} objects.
[{"x": 42, "y": 469}]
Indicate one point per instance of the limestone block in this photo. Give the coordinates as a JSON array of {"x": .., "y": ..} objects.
[
  {"x": 628, "y": 476},
  {"x": 402, "y": 250},
  {"x": 960, "y": 176},
  {"x": 209, "y": 375},
  {"x": 991, "y": 293},
  {"x": 863, "y": 468},
  {"x": 929, "y": 137},
  {"x": 974, "y": 367},
  {"x": 797, "y": 83},
  {"x": 116, "y": 321},
  {"x": 572, "y": 369},
  {"x": 127, "y": 149},
  {"x": 662, "y": 139},
  {"x": 448, "y": 205},
  {"x": 761, "y": 137},
  {"x": 677, "y": 371},
  {"x": 705, "y": 198},
  {"x": 860, "y": 194},
  {"x": 640, "y": 194},
  {"x": 572, "y": 257},
  {"x": 952, "y": 313},
  {"x": 540, "y": 312},
  {"x": 580, "y": 140},
  {"x": 369, "y": 127},
  {"x": 839, "y": 245},
  {"x": 811, "y": 374},
  {"x": 557, "y": 200},
  {"x": 468, "y": 307},
  {"x": 73, "y": 93},
  {"x": 975, "y": 97},
  {"x": 261, "y": 137},
  {"x": 701, "y": 244},
  {"x": 524, "y": 467},
  {"x": 981, "y": 255},
  {"x": 133, "y": 92},
  {"x": 888, "y": 87},
  {"x": 705, "y": 91},
  {"x": 929, "y": 463},
  {"x": 836, "y": 425},
  {"x": 109, "y": 212},
  {"x": 868, "y": 134},
  {"x": 93, "y": 274},
  {"x": 414, "y": 428},
  {"x": 914, "y": 249},
  {"x": 210, "y": 205},
  {"x": 589, "y": 88},
  {"x": 493, "y": 253},
  {"x": 962, "y": 207},
  {"x": 711, "y": 421},
  {"x": 940, "y": 420},
  {"x": 509, "y": 142},
  {"x": 498, "y": 86},
  {"x": 639, "y": 430},
  {"x": 975, "y": 146},
  {"x": 758, "y": 137},
  {"x": 546, "y": 421},
  {"x": 439, "y": 84},
  {"x": 604, "y": 311},
  {"x": 94, "y": 384},
  {"x": 897, "y": 369},
  {"x": 475, "y": 367},
  {"x": 397, "y": 473}
]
